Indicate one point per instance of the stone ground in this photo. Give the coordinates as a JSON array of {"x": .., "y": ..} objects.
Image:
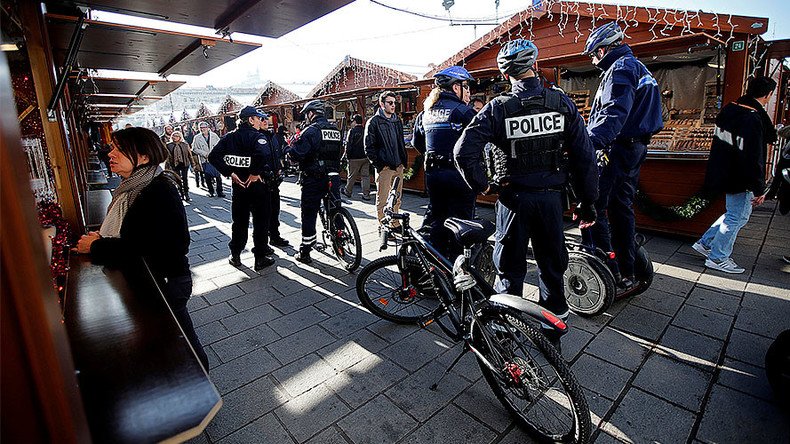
[{"x": 297, "y": 359}]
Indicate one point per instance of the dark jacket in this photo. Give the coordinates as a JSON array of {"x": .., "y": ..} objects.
[
  {"x": 436, "y": 130},
  {"x": 780, "y": 187},
  {"x": 737, "y": 156},
  {"x": 489, "y": 126},
  {"x": 276, "y": 151},
  {"x": 244, "y": 151},
  {"x": 355, "y": 146},
  {"x": 155, "y": 227},
  {"x": 307, "y": 149},
  {"x": 628, "y": 102},
  {"x": 384, "y": 144}
]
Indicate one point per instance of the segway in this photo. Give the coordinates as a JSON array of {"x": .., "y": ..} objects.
[{"x": 589, "y": 283}]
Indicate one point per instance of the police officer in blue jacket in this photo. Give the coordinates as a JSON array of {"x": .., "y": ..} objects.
[
  {"x": 436, "y": 130},
  {"x": 317, "y": 150},
  {"x": 538, "y": 139},
  {"x": 274, "y": 179},
  {"x": 625, "y": 113},
  {"x": 244, "y": 155}
]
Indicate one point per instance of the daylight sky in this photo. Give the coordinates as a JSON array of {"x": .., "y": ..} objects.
[{"x": 402, "y": 41}]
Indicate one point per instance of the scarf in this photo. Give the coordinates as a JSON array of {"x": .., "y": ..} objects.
[
  {"x": 769, "y": 132},
  {"x": 124, "y": 197}
]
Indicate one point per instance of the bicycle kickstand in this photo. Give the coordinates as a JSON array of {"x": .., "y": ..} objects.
[{"x": 435, "y": 385}]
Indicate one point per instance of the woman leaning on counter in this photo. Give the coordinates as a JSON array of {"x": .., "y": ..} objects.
[{"x": 146, "y": 218}]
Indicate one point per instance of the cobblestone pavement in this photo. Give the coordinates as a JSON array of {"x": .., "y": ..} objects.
[{"x": 297, "y": 359}]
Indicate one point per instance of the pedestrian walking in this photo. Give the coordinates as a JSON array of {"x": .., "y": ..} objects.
[
  {"x": 180, "y": 158},
  {"x": 358, "y": 163},
  {"x": 202, "y": 144}
]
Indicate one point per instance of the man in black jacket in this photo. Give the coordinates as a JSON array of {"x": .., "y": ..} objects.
[
  {"x": 737, "y": 168},
  {"x": 358, "y": 164},
  {"x": 386, "y": 149},
  {"x": 245, "y": 155},
  {"x": 273, "y": 181}
]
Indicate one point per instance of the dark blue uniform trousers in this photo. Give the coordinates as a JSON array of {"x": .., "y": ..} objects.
[
  {"x": 251, "y": 200},
  {"x": 614, "y": 229},
  {"x": 522, "y": 216},
  {"x": 314, "y": 188},
  {"x": 448, "y": 196}
]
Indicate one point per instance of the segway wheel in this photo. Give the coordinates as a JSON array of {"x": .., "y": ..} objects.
[
  {"x": 589, "y": 287},
  {"x": 643, "y": 270}
]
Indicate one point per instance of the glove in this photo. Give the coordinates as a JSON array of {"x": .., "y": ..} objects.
[
  {"x": 462, "y": 280},
  {"x": 585, "y": 212},
  {"x": 493, "y": 188},
  {"x": 602, "y": 158}
]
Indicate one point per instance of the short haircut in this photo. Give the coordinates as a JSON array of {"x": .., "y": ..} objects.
[
  {"x": 478, "y": 99},
  {"x": 385, "y": 94},
  {"x": 760, "y": 87},
  {"x": 138, "y": 141},
  {"x": 357, "y": 119}
]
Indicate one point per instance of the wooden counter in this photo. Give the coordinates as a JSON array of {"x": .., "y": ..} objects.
[{"x": 139, "y": 378}]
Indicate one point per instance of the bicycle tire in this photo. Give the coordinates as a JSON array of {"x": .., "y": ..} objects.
[
  {"x": 643, "y": 268},
  {"x": 404, "y": 297},
  {"x": 524, "y": 377},
  {"x": 346, "y": 246},
  {"x": 589, "y": 287}
]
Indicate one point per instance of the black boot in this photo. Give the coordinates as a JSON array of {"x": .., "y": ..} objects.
[
  {"x": 303, "y": 256},
  {"x": 234, "y": 260},
  {"x": 263, "y": 262}
]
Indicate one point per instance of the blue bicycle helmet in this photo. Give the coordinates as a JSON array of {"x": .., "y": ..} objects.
[
  {"x": 449, "y": 76},
  {"x": 517, "y": 57},
  {"x": 603, "y": 36}
]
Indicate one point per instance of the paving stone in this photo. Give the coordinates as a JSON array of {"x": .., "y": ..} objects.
[
  {"x": 748, "y": 347},
  {"x": 211, "y": 314},
  {"x": 592, "y": 325},
  {"x": 297, "y": 301},
  {"x": 261, "y": 283},
  {"x": 731, "y": 416},
  {"x": 251, "y": 300},
  {"x": 361, "y": 382},
  {"x": 479, "y": 401},
  {"x": 378, "y": 421},
  {"x": 745, "y": 378},
  {"x": 600, "y": 376},
  {"x": 414, "y": 396},
  {"x": 660, "y": 375},
  {"x": 296, "y": 321},
  {"x": 240, "y": 371},
  {"x": 330, "y": 435},
  {"x": 641, "y": 322},
  {"x": 706, "y": 322},
  {"x": 759, "y": 315},
  {"x": 251, "y": 318},
  {"x": 348, "y": 322},
  {"x": 244, "y": 405},
  {"x": 244, "y": 342},
  {"x": 303, "y": 374},
  {"x": 335, "y": 305},
  {"x": 733, "y": 284},
  {"x": 416, "y": 350},
  {"x": 311, "y": 412},
  {"x": 658, "y": 301},
  {"x": 641, "y": 417},
  {"x": 691, "y": 348},
  {"x": 263, "y": 430},
  {"x": 211, "y": 333},
  {"x": 671, "y": 284},
  {"x": 196, "y": 303},
  {"x": 390, "y": 331},
  {"x": 346, "y": 352},
  {"x": 574, "y": 342},
  {"x": 599, "y": 407},
  {"x": 619, "y": 348},
  {"x": 451, "y": 425},
  {"x": 713, "y": 300},
  {"x": 224, "y": 294},
  {"x": 300, "y": 344}
]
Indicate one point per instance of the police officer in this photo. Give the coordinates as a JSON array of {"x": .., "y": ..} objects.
[
  {"x": 273, "y": 181},
  {"x": 625, "y": 113},
  {"x": 538, "y": 138},
  {"x": 317, "y": 150},
  {"x": 245, "y": 155},
  {"x": 436, "y": 130}
]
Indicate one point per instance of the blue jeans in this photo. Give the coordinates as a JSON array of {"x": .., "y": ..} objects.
[{"x": 720, "y": 237}]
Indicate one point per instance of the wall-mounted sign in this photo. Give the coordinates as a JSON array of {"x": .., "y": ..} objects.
[{"x": 738, "y": 45}]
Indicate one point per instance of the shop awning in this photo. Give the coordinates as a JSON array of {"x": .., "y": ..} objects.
[{"x": 113, "y": 96}]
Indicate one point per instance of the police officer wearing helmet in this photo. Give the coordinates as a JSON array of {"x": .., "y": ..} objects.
[
  {"x": 245, "y": 155},
  {"x": 625, "y": 113},
  {"x": 539, "y": 139},
  {"x": 436, "y": 130},
  {"x": 317, "y": 150}
]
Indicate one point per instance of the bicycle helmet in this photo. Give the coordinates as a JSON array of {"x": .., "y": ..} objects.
[
  {"x": 517, "y": 57},
  {"x": 603, "y": 36},
  {"x": 449, "y": 76},
  {"x": 317, "y": 106}
]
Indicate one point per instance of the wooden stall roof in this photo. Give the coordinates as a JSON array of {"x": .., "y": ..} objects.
[
  {"x": 355, "y": 76},
  {"x": 777, "y": 49},
  {"x": 128, "y": 95},
  {"x": 274, "y": 94},
  {"x": 649, "y": 22},
  {"x": 269, "y": 18},
  {"x": 138, "y": 48}
]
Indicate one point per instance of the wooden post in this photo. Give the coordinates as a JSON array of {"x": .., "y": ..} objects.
[
  {"x": 735, "y": 70},
  {"x": 57, "y": 145}
]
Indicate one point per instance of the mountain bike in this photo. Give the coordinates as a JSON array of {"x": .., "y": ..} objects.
[
  {"x": 526, "y": 373},
  {"x": 340, "y": 232}
]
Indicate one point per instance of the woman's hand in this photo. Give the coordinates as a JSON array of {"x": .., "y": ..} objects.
[{"x": 84, "y": 244}]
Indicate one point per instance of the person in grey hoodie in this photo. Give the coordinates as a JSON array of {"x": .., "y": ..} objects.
[{"x": 386, "y": 149}]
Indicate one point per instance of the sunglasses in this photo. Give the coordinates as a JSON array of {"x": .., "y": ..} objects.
[{"x": 390, "y": 102}]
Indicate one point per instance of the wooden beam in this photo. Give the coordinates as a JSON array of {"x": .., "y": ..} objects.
[{"x": 186, "y": 52}]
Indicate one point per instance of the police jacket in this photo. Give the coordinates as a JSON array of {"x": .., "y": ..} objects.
[
  {"x": 738, "y": 150},
  {"x": 384, "y": 143},
  {"x": 244, "y": 151},
  {"x": 276, "y": 152},
  {"x": 627, "y": 104},
  {"x": 437, "y": 129},
  {"x": 355, "y": 146},
  {"x": 318, "y": 148},
  {"x": 492, "y": 124}
]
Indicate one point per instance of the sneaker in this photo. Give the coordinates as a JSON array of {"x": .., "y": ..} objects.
[
  {"x": 263, "y": 262},
  {"x": 786, "y": 259},
  {"x": 345, "y": 193},
  {"x": 234, "y": 260},
  {"x": 279, "y": 242},
  {"x": 365, "y": 197},
  {"x": 626, "y": 283},
  {"x": 727, "y": 266},
  {"x": 701, "y": 249},
  {"x": 303, "y": 257}
]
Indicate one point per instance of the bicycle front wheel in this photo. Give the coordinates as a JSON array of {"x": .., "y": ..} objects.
[
  {"x": 530, "y": 378},
  {"x": 345, "y": 240},
  {"x": 399, "y": 292}
]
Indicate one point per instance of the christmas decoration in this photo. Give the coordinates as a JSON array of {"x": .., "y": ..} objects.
[
  {"x": 203, "y": 111},
  {"x": 229, "y": 105},
  {"x": 51, "y": 215},
  {"x": 415, "y": 167},
  {"x": 690, "y": 209}
]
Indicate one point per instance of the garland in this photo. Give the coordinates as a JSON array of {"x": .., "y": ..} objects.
[
  {"x": 50, "y": 214},
  {"x": 415, "y": 167},
  {"x": 690, "y": 209}
]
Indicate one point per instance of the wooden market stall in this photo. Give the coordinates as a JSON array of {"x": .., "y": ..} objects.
[
  {"x": 275, "y": 100},
  {"x": 699, "y": 59}
]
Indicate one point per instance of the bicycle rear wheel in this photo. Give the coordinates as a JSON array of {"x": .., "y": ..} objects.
[
  {"x": 399, "y": 293},
  {"x": 346, "y": 242},
  {"x": 530, "y": 378}
]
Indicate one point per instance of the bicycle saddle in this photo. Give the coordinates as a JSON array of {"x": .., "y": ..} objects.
[{"x": 470, "y": 232}]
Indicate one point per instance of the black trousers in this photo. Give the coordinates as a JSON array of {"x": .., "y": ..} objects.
[
  {"x": 210, "y": 184},
  {"x": 182, "y": 171},
  {"x": 521, "y": 217},
  {"x": 253, "y": 200},
  {"x": 314, "y": 189},
  {"x": 274, "y": 205},
  {"x": 448, "y": 196},
  {"x": 177, "y": 292}
]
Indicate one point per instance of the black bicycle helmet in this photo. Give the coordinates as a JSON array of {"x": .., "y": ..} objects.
[{"x": 318, "y": 106}]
